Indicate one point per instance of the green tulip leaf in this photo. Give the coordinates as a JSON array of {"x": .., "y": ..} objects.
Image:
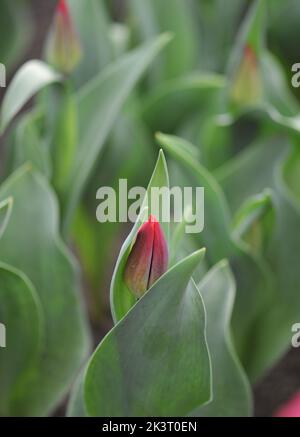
[
  {"x": 178, "y": 99},
  {"x": 279, "y": 309},
  {"x": 254, "y": 222},
  {"x": 253, "y": 276},
  {"x": 92, "y": 25},
  {"x": 22, "y": 328},
  {"x": 29, "y": 80},
  {"x": 5, "y": 212},
  {"x": 102, "y": 99},
  {"x": 41, "y": 255},
  {"x": 76, "y": 407},
  {"x": 217, "y": 215},
  {"x": 156, "y": 353},
  {"x": 231, "y": 390},
  {"x": 29, "y": 145},
  {"x": 223, "y": 17},
  {"x": 151, "y": 17},
  {"x": 120, "y": 297}
]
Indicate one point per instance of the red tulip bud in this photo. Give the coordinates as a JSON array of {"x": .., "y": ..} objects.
[
  {"x": 247, "y": 89},
  {"x": 63, "y": 47},
  {"x": 291, "y": 408},
  {"x": 148, "y": 258}
]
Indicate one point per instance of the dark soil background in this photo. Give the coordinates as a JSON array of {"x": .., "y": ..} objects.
[{"x": 284, "y": 379}]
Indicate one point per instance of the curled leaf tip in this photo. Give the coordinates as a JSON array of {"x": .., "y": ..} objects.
[{"x": 148, "y": 259}]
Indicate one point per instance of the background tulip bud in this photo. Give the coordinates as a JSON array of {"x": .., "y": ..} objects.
[
  {"x": 246, "y": 89},
  {"x": 63, "y": 47},
  {"x": 148, "y": 258}
]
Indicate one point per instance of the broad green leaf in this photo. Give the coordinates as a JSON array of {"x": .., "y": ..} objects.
[
  {"x": 20, "y": 313},
  {"x": 5, "y": 212},
  {"x": 254, "y": 222},
  {"x": 156, "y": 353},
  {"x": 277, "y": 91},
  {"x": 120, "y": 297},
  {"x": 217, "y": 216},
  {"x": 92, "y": 25},
  {"x": 291, "y": 173},
  {"x": 30, "y": 79},
  {"x": 279, "y": 311},
  {"x": 216, "y": 141},
  {"x": 247, "y": 174},
  {"x": 253, "y": 278},
  {"x": 178, "y": 235},
  {"x": 40, "y": 254},
  {"x": 231, "y": 390},
  {"x": 119, "y": 34},
  {"x": 251, "y": 210},
  {"x": 218, "y": 21},
  {"x": 151, "y": 17},
  {"x": 178, "y": 99},
  {"x": 29, "y": 144},
  {"x": 102, "y": 99},
  {"x": 76, "y": 407}
]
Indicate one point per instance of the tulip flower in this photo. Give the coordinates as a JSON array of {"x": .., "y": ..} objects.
[
  {"x": 291, "y": 408},
  {"x": 247, "y": 87},
  {"x": 63, "y": 47},
  {"x": 148, "y": 258}
]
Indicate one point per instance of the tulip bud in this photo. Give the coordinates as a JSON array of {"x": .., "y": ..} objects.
[
  {"x": 148, "y": 258},
  {"x": 247, "y": 89},
  {"x": 63, "y": 47},
  {"x": 291, "y": 408}
]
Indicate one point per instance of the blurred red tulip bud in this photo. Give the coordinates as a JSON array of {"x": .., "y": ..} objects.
[
  {"x": 148, "y": 258},
  {"x": 247, "y": 88},
  {"x": 291, "y": 408},
  {"x": 63, "y": 48}
]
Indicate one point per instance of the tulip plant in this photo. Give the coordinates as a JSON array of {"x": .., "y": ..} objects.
[{"x": 197, "y": 319}]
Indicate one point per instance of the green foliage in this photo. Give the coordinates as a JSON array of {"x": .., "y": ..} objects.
[
  {"x": 208, "y": 82},
  {"x": 218, "y": 291},
  {"x": 31, "y": 78},
  {"x": 40, "y": 254}
]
